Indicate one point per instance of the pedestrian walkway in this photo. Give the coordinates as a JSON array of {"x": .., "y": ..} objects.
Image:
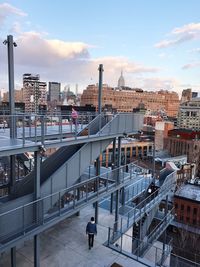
[{"x": 66, "y": 245}]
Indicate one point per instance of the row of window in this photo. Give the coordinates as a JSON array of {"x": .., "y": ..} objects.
[{"x": 188, "y": 209}]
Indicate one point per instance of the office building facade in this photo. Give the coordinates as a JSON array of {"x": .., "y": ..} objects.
[
  {"x": 125, "y": 100},
  {"x": 34, "y": 92}
]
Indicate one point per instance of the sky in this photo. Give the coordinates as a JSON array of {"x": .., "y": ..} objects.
[{"x": 155, "y": 42}]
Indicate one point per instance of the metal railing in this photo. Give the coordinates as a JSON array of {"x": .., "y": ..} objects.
[
  {"x": 39, "y": 212},
  {"x": 41, "y": 128},
  {"x": 137, "y": 212},
  {"x": 155, "y": 256}
]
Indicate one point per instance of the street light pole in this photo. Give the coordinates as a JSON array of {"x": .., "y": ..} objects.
[
  {"x": 9, "y": 42},
  {"x": 100, "y": 88}
]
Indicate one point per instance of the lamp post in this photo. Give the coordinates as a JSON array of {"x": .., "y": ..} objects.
[{"x": 9, "y": 42}]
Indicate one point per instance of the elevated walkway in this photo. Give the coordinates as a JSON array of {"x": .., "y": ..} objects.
[{"x": 59, "y": 175}]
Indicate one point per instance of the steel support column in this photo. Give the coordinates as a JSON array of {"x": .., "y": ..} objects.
[
  {"x": 13, "y": 256},
  {"x": 96, "y": 204},
  {"x": 11, "y": 85},
  {"x": 165, "y": 234},
  {"x": 37, "y": 175},
  {"x": 114, "y": 153},
  {"x": 116, "y": 210},
  {"x": 113, "y": 167},
  {"x": 37, "y": 208},
  {"x": 111, "y": 203},
  {"x": 118, "y": 181},
  {"x": 36, "y": 251},
  {"x": 9, "y": 42}
]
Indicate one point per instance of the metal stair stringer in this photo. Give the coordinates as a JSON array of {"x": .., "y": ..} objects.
[{"x": 68, "y": 174}]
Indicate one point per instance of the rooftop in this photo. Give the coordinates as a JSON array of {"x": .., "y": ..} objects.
[{"x": 189, "y": 191}]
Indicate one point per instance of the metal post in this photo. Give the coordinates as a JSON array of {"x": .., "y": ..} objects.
[
  {"x": 36, "y": 251},
  {"x": 13, "y": 257},
  {"x": 10, "y": 45},
  {"x": 37, "y": 175},
  {"x": 100, "y": 69},
  {"x": 114, "y": 152},
  {"x": 37, "y": 207},
  {"x": 119, "y": 158},
  {"x": 116, "y": 209},
  {"x": 96, "y": 204},
  {"x": 111, "y": 203},
  {"x": 165, "y": 234},
  {"x": 154, "y": 163}
]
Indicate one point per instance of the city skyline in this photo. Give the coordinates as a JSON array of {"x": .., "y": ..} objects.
[{"x": 155, "y": 44}]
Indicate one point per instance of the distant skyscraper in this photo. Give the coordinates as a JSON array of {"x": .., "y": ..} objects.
[
  {"x": 76, "y": 89},
  {"x": 121, "y": 81},
  {"x": 34, "y": 92},
  {"x": 54, "y": 91},
  {"x": 189, "y": 115},
  {"x": 194, "y": 94},
  {"x": 186, "y": 95}
]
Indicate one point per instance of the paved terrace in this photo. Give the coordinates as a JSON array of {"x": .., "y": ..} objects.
[{"x": 66, "y": 245}]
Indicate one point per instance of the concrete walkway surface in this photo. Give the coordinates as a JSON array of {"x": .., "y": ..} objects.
[{"x": 66, "y": 245}]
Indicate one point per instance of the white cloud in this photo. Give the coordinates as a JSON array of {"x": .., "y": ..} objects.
[
  {"x": 159, "y": 83},
  {"x": 69, "y": 62},
  {"x": 180, "y": 35},
  {"x": 191, "y": 65},
  {"x": 35, "y": 50},
  {"x": 195, "y": 50},
  {"x": 7, "y": 10},
  {"x": 188, "y": 28}
]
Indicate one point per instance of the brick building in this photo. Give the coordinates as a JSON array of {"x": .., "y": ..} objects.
[
  {"x": 131, "y": 149},
  {"x": 187, "y": 204},
  {"x": 18, "y": 96},
  {"x": 184, "y": 142},
  {"x": 161, "y": 131},
  {"x": 124, "y": 100}
]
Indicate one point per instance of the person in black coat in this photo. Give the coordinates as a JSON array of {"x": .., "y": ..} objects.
[{"x": 91, "y": 230}]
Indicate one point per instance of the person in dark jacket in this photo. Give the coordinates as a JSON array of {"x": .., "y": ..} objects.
[{"x": 91, "y": 230}]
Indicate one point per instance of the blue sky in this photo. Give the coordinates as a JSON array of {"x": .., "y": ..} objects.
[{"x": 156, "y": 43}]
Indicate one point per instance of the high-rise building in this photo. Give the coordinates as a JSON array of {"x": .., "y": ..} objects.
[
  {"x": 54, "y": 91},
  {"x": 121, "y": 81},
  {"x": 34, "y": 92},
  {"x": 186, "y": 95},
  {"x": 18, "y": 96},
  {"x": 126, "y": 99},
  {"x": 189, "y": 114}
]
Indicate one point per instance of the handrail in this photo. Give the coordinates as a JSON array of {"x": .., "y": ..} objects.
[{"x": 69, "y": 188}]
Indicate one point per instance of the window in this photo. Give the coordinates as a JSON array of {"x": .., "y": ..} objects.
[
  {"x": 182, "y": 207},
  {"x": 176, "y": 206},
  {"x": 195, "y": 211},
  {"x": 194, "y": 221},
  {"x": 188, "y": 209},
  {"x": 187, "y": 219}
]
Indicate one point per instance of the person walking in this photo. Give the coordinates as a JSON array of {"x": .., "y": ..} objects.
[
  {"x": 74, "y": 115},
  {"x": 91, "y": 230}
]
